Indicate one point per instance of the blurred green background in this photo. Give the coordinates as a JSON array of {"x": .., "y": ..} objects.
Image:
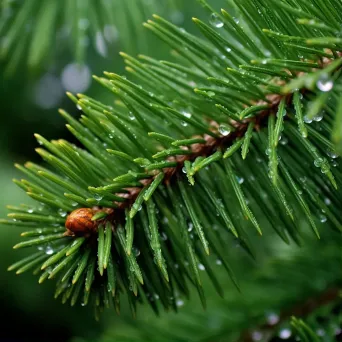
[{"x": 29, "y": 101}]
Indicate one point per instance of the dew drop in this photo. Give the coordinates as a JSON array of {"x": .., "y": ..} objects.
[
  {"x": 218, "y": 262},
  {"x": 30, "y": 211},
  {"x": 211, "y": 94},
  {"x": 110, "y": 33},
  {"x": 256, "y": 336},
  {"x": 136, "y": 251},
  {"x": 62, "y": 212},
  {"x": 131, "y": 116},
  {"x": 98, "y": 197},
  {"x": 322, "y": 218},
  {"x": 224, "y": 130},
  {"x": 307, "y": 119},
  {"x": 49, "y": 250},
  {"x": 186, "y": 114},
  {"x": 325, "y": 83},
  {"x": 100, "y": 44},
  {"x": 190, "y": 227},
  {"x": 179, "y": 302},
  {"x": 327, "y": 201},
  {"x": 74, "y": 204},
  {"x": 76, "y": 78},
  {"x": 318, "y": 117},
  {"x": 272, "y": 318},
  {"x": 201, "y": 267},
  {"x": 284, "y": 140},
  {"x": 184, "y": 124},
  {"x": 216, "y": 21},
  {"x": 332, "y": 154},
  {"x": 285, "y": 334}
]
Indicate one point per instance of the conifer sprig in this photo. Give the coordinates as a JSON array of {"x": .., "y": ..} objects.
[
  {"x": 214, "y": 140},
  {"x": 39, "y": 26}
]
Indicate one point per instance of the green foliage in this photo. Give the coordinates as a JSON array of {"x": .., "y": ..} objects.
[
  {"x": 39, "y": 26},
  {"x": 289, "y": 280},
  {"x": 165, "y": 161}
]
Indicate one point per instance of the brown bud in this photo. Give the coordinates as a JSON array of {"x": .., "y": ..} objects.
[{"x": 79, "y": 221}]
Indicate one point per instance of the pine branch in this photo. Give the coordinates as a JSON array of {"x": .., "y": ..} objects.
[
  {"x": 126, "y": 200},
  {"x": 303, "y": 310},
  {"x": 39, "y": 26}
]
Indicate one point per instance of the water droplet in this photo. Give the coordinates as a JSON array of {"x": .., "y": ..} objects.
[
  {"x": 332, "y": 154},
  {"x": 110, "y": 33},
  {"x": 267, "y": 53},
  {"x": 218, "y": 262},
  {"x": 30, "y": 211},
  {"x": 49, "y": 250},
  {"x": 256, "y": 335},
  {"x": 284, "y": 334},
  {"x": 325, "y": 83},
  {"x": 264, "y": 61},
  {"x": 327, "y": 201},
  {"x": 237, "y": 20},
  {"x": 76, "y": 78},
  {"x": 74, "y": 204},
  {"x": 62, "y": 212},
  {"x": 318, "y": 162},
  {"x": 224, "y": 129},
  {"x": 136, "y": 251},
  {"x": 184, "y": 124},
  {"x": 240, "y": 179},
  {"x": 100, "y": 44},
  {"x": 307, "y": 119},
  {"x": 179, "y": 302},
  {"x": 201, "y": 267},
  {"x": 318, "y": 117},
  {"x": 190, "y": 227},
  {"x": 228, "y": 49},
  {"x": 163, "y": 236},
  {"x": 98, "y": 197},
  {"x": 216, "y": 21},
  {"x": 211, "y": 93},
  {"x": 48, "y": 91},
  {"x": 272, "y": 318},
  {"x": 322, "y": 218},
  {"x": 284, "y": 140},
  {"x": 186, "y": 114},
  {"x": 131, "y": 116}
]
